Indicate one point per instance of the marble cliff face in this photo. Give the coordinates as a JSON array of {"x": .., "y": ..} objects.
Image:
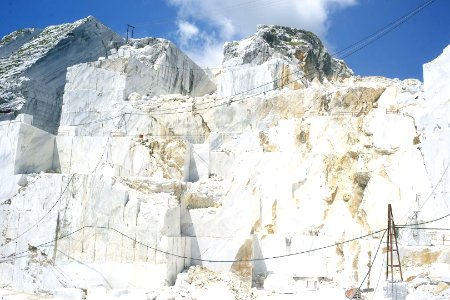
[
  {"x": 158, "y": 166},
  {"x": 33, "y": 66}
]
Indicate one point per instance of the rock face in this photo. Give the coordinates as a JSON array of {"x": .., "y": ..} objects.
[
  {"x": 34, "y": 63},
  {"x": 275, "y": 188},
  {"x": 299, "y": 47},
  {"x": 13, "y": 41},
  {"x": 277, "y": 56},
  {"x": 164, "y": 69},
  {"x": 136, "y": 72}
]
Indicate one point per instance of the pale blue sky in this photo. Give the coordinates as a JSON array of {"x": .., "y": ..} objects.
[{"x": 200, "y": 27}]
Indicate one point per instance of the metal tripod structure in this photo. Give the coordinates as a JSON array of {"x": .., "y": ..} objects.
[
  {"x": 392, "y": 246},
  {"x": 130, "y": 29}
]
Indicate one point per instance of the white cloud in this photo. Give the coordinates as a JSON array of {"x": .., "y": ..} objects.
[
  {"x": 187, "y": 31},
  {"x": 217, "y": 21}
]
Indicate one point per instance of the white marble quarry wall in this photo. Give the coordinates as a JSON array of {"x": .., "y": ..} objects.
[
  {"x": 432, "y": 120},
  {"x": 94, "y": 90},
  {"x": 19, "y": 144},
  {"x": 435, "y": 76},
  {"x": 132, "y": 218},
  {"x": 199, "y": 164},
  {"x": 28, "y": 160},
  {"x": 251, "y": 79},
  {"x": 313, "y": 264},
  {"x": 164, "y": 68},
  {"x": 47, "y": 76},
  {"x": 220, "y": 163},
  {"x": 123, "y": 156},
  {"x": 125, "y": 120},
  {"x": 23, "y": 149},
  {"x": 309, "y": 174},
  {"x": 9, "y": 134},
  {"x": 91, "y": 86},
  {"x": 221, "y": 250},
  {"x": 20, "y": 214},
  {"x": 346, "y": 263}
]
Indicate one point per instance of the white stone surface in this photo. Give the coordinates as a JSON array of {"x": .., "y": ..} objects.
[
  {"x": 256, "y": 79},
  {"x": 434, "y": 77},
  {"x": 24, "y": 149},
  {"x": 69, "y": 294},
  {"x": 33, "y": 75},
  {"x": 123, "y": 156},
  {"x": 146, "y": 68},
  {"x": 282, "y": 174},
  {"x": 140, "y": 209},
  {"x": 279, "y": 284},
  {"x": 199, "y": 165}
]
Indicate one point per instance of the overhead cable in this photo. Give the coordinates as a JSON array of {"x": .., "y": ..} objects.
[
  {"x": 17, "y": 254},
  {"x": 370, "y": 267},
  {"x": 193, "y": 258}
]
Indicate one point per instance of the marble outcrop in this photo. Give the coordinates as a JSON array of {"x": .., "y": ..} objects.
[
  {"x": 151, "y": 186},
  {"x": 34, "y": 63}
]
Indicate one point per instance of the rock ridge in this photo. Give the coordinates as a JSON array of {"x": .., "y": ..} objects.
[
  {"x": 299, "y": 47},
  {"x": 32, "y": 75}
]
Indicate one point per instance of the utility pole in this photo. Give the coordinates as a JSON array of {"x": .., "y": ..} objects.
[
  {"x": 130, "y": 29},
  {"x": 392, "y": 246}
]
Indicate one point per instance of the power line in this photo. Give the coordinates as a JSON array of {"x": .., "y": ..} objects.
[
  {"x": 42, "y": 218},
  {"x": 359, "y": 45},
  {"x": 423, "y": 223},
  {"x": 188, "y": 257},
  {"x": 216, "y": 261},
  {"x": 378, "y": 281},
  {"x": 172, "y": 111},
  {"x": 347, "y": 52},
  {"x": 432, "y": 191},
  {"x": 370, "y": 267},
  {"x": 21, "y": 254},
  {"x": 381, "y": 32},
  {"x": 355, "y": 48},
  {"x": 424, "y": 228}
]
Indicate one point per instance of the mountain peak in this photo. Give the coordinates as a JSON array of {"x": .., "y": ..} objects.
[
  {"x": 36, "y": 60},
  {"x": 298, "y": 47}
]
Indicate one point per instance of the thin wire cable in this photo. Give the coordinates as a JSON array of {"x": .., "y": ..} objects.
[
  {"x": 188, "y": 257},
  {"x": 382, "y": 31},
  {"x": 363, "y": 43},
  {"x": 379, "y": 278},
  {"x": 435, "y": 187},
  {"x": 424, "y": 228},
  {"x": 370, "y": 267},
  {"x": 54, "y": 204},
  {"x": 359, "y": 45},
  {"x": 432, "y": 193},
  {"x": 15, "y": 255},
  {"x": 42, "y": 218},
  {"x": 423, "y": 223},
  {"x": 193, "y": 109}
]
